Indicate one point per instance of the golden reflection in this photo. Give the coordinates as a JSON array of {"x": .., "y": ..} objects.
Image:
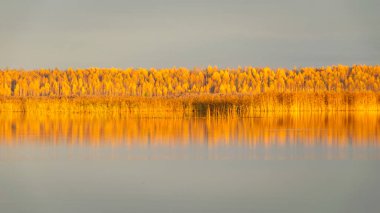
[{"x": 335, "y": 129}]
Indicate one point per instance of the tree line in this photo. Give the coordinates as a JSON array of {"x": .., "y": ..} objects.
[{"x": 182, "y": 81}]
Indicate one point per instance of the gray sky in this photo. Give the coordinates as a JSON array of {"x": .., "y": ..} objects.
[{"x": 166, "y": 33}]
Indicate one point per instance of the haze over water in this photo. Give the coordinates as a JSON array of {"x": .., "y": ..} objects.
[
  {"x": 271, "y": 163},
  {"x": 71, "y": 65}
]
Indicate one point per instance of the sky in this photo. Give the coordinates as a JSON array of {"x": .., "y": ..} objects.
[{"x": 166, "y": 33}]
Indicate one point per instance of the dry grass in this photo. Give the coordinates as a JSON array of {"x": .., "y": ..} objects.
[{"x": 197, "y": 105}]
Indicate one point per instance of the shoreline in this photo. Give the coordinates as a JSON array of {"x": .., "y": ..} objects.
[{"x": 210, "y": 105}]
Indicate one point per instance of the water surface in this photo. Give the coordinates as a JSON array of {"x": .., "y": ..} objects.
[{"x": 270, "y": 163}]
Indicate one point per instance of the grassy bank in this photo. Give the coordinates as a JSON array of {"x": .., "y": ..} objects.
[{"x": 197, "y": 105}]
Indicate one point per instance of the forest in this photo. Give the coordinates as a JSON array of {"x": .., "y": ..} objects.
[{"x": 241, "y": 91}]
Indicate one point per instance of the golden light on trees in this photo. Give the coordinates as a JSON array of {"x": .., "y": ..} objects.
[{"x": 244, "y": 90}]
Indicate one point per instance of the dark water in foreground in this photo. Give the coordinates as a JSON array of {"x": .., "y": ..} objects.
[{"x": 273, "y": 163}]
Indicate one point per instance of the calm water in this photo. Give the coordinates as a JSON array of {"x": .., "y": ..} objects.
[{"x": 271, "y": 163}]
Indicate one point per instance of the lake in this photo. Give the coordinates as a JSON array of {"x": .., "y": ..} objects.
[{"x": 318, "y": 162}]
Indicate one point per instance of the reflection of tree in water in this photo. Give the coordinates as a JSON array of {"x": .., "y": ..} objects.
[{"x": 338, "y": 129}]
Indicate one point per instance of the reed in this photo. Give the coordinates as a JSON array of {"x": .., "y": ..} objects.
[
  {"x": 210, "y": 105},
  {"x": 179, "y": 92}
]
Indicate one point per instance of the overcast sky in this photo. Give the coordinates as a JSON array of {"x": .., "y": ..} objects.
[{"x": 166, "y": 33}]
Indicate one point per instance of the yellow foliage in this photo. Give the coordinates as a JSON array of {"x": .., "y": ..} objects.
[
  {"x": 153, "y": 82},
  {"x": 200, "y": 92}
]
